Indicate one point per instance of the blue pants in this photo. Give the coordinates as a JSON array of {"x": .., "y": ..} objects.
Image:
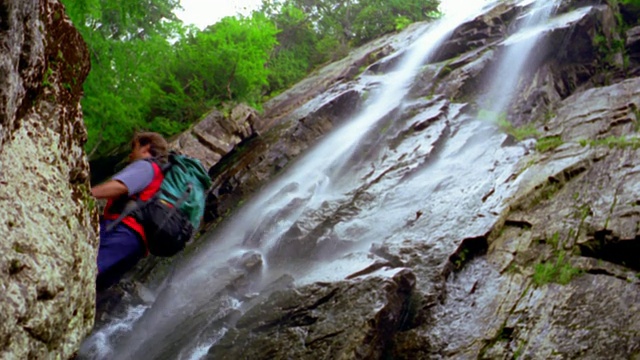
[{"x": 120, "y": 250}]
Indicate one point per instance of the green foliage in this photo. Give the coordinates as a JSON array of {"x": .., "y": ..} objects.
[
  {"x": 338, "y": 24},
  {"x": 519, "y": 133},
  {"x": 548, "y": 116},
  {"x": 46, "y": 76},
  {"x": 560, "y": 271},
  {"x": 610, "y": 49},
  {"x": 141, "y": 81},
  {"x": 461, "y": 258},
  {"x": 294, "y": 56},
  {"x": 611, "y": 142},
  {"x": 523, "y": 132},
  {"x": 554, "y": 241},
  {"x": 150, "y": 72},
  {"x": 518, "y": 352},
  {"x": 226, "y": 61},
  {"x": 128, "y": 45},
  {"x": 377, "y": 17},
  {"x": 548, "y": 143},
  {"x": 402, "y": 22}
]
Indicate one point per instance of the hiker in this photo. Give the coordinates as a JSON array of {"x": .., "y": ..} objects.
[{"x": 125, "y": 244}]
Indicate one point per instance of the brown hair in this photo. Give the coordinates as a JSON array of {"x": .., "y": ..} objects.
[{"x": 159, "y": 147}]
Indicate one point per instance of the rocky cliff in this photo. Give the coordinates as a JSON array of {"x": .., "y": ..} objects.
[
  {"x": 453, "y": 230},
  {"x": 538, "y": 262},
  {"x": 49, "y": 237}
]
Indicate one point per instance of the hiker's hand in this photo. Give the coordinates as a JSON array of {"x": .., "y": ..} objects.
[{"x": 109, "y": 190}]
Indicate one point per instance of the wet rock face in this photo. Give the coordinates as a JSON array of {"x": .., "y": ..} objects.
[
  {"x": 528, "y": 258},
  {"x": 347, "y": 320},
  {"x": 478, "y": 33},
  {"x": 47, "y": 255},
  {"x": 243, "y": 170},
  {"x": 574, "y": 214},
  {"x": 293, "y": 121},
  {"x": 444, "y": 237},
  {"x": 220, "y": 136}
]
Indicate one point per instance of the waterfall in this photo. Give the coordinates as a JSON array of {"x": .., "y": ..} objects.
[
  {"x": 318, "y": 179},
  {"x": 520, "y": 48}
]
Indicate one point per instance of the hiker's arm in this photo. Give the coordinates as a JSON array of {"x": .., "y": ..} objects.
[
  {"x": 109, "y": 189},
  {"x": 131, "y": 180}
]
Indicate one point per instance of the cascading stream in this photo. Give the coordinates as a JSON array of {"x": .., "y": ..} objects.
[
  {"x": 317, "y": 185},
  {"x": 520, "y": 47}
]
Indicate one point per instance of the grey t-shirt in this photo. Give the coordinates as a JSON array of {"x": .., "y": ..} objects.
[{"x": 136, "y": 176}]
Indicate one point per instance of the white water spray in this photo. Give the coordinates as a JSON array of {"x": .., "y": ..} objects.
[
  {"x": 520, "y": 46},
  {"x": 307, "y": 184},
  {"x": 99, "y": 346},
  {"x": 310, "y": 181}
]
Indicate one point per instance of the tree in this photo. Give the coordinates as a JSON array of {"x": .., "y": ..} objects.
[
  {"x": 128, "y": 41},
  {"x": 294, "y": 56},
  {"x": 224, "y": 62},
  {"x": 151, "y": 72}
]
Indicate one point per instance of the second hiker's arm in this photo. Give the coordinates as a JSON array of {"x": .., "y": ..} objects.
[{"x": 109, "y": 189}]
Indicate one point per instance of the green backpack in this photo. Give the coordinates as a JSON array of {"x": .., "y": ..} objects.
[
  {"x": 186, "y": 180},
  {"x": 171, "y": 217}
]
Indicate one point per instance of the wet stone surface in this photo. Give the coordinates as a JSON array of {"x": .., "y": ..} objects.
[{"x": 441, "y": 233}]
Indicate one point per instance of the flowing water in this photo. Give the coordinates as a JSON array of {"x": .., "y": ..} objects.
[
  {"x": 354, "y": 188},
  {"x": 519, "y": 54}
]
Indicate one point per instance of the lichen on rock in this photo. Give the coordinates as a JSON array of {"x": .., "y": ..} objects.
[{"x": 47, "y": 256}]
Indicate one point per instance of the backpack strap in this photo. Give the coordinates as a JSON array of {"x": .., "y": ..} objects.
[
  {"x": 129, "y": 209},
  {"x": 163, "y": 165},
  {"x": 133, "y": 206}
]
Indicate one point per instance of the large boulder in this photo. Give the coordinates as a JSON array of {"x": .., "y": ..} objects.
[
  {"x": 48, "y": 250},
  {"x": 216, "y": 135},
  {"x": 346, "y": 320}
]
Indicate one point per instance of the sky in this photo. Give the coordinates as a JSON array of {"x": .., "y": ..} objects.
[{"x": 202, "y": 13}]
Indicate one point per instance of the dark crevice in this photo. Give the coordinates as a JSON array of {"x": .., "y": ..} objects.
[
  {"x": 333, "y": 334},
  {"x": 4, "y": 17},
  {"x": 601, "y": 271},
  {"x": 370, "y": 269},
  {"x": 45, "y": 294},
  {"x": 572, "y": 173},
  {"x": 545, "y": 191},
  {"x": 608, "y": 247},
  {"x": 468, "y": 249},
  {"x": 25, "y": 65},
  {"x": 15, "y": 267},
  {"x": 323, "y": 300},
  {"x": 488, "y": 195},
  {"x": 416, "y": 310},
  {"x": 35, "y": 335},
  {"x": 298, "y": 317},
  {"x": 505, "y": 334},
  {"x": 521, "y": 224}
]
